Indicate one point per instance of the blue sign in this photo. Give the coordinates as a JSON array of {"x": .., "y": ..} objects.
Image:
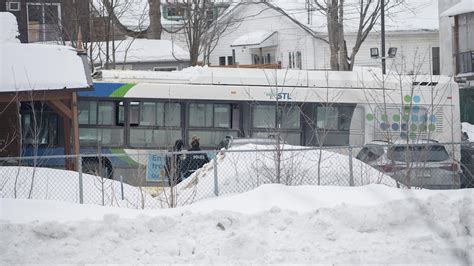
[{"x": 155, "y": 170}]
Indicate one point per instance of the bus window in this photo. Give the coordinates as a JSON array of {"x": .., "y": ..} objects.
[
  {"x": 209, "y": 115},
  {"x": 172, "y": 115},
  {"x": 326, "y": 117},
  {"x": 134, "y": 113},
  {"x": 160, "y": 114},
  {"x": 263, "y": 116},
  {"x": 87, "y": 112},
  {"x": 289, "y": 117},
  {"x": 334, "y": 117},
  {"x": 106, "y": 113},
  {"x": 120, "y": 114},
  {"x": 39, "y": 130}
]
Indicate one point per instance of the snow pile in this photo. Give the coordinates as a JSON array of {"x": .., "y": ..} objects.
[
  {"x": 469, "y": 129},
  {"x": 26, "y": 67},
  {"x": 8, "y": 28},
  {"x": 62, "y": 185},
  {"x": 246, "y": 169},
  {"x": 357, "y": 225}
]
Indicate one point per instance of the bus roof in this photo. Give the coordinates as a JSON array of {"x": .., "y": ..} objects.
[{"x": 238, "y": 84}]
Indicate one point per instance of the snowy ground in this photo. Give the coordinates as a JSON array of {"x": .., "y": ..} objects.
[
  {"x": 271, "y": 224},
  {"x": 237, "y": 172}
]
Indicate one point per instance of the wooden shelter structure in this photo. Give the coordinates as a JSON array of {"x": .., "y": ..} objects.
[{"x": 48, "y": 74}]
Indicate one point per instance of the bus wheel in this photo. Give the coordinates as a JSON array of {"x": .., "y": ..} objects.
[{"x": 97, "y": 167}]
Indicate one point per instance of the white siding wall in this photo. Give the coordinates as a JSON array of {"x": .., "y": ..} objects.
[
  {"x": 414, "y": 50},
  {"x": 291, "y": 37}
]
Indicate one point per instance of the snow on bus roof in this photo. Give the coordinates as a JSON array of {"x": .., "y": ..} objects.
[
  {"x": 26, "y": 67},
  {"x": 360, "y": 77}
]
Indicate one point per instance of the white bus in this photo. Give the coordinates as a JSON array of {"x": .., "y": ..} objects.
[{"x": 148, "y": 110}]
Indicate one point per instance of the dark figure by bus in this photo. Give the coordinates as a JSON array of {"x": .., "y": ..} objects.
[
  {"x": 193, "y": 161},
  {"x": 173, "y": 164}
]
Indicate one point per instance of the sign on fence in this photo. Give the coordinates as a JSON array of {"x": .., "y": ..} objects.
[{"x": 155, "y": 170}]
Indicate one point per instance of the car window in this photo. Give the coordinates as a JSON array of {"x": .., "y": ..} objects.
[
  {"x": 370, "y": 153},
  {"x": 428, "y": 153}
]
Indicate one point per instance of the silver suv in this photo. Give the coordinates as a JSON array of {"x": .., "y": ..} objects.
[{"x": 425, "y": 164}]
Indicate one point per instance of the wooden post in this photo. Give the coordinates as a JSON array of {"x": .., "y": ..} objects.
[{"x": 67, "y": 141}]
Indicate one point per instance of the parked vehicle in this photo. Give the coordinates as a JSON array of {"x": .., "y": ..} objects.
[{"x": 426, "y": 164}]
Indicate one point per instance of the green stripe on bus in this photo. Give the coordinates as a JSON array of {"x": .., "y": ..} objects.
[
  {"x": 120, "y": 92},
  {"x": 124, "y": 158}
]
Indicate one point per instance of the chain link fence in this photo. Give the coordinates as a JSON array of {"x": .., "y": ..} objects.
[{"x": 168, "y": 179}]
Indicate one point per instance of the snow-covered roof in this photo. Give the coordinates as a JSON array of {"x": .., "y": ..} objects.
[
  {"x": 25, "y": 67},
  {"x": 8, "y": 28},
  {"x": 252, "y": 38},
  {"x": 463, "y": 7},
  {"x": 144, "y": 50}
]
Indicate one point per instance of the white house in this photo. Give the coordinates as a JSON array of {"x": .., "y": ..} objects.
[
  {"x": 292, "y": 33},
  {"x": 457, "y": 48}
]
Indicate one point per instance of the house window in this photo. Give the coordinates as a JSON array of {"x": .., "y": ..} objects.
[
  {"x": 221, "y": 60},
  {"x": 210, "y": 15},
  {"x": 436, "y": 60},
  {"x": 230, "y": 60},
  {"x": 174, "y": 11},
  {"x": 298, "y": 60},
  {"x": 466, "y": 62},
  {"x": 292, "y": 59},
  {"x": 255, "y": 59},
  {"x": 13, "y": 6},
  {"x": 44, "y": 22},
  {"x": 169, "y": 69}
]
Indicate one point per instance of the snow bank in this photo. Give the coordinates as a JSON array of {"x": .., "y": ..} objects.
[
  {"x": 242, "y": 168},
  {"x": 371, "y": 224},
  {"x": 9, "y": 28},
  {"x": 469, "y": 129},
  {"x": 62, "y": 185}
]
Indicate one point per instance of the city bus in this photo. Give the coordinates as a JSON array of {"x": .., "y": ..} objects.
[{"x": 145, "y": 112}]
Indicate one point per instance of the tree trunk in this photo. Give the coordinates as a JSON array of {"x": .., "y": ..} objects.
[{"x": 155, "y": 28}]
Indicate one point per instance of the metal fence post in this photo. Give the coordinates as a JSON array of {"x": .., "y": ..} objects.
[
  {"x": 351, "y": 171},
  {"x": 121, "y": 187},
  {"x": 81, "y": 187},
  {"x": 216, "y": 187}
]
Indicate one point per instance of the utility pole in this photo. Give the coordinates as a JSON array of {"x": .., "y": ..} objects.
[{"x": 382, "y": 19}]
